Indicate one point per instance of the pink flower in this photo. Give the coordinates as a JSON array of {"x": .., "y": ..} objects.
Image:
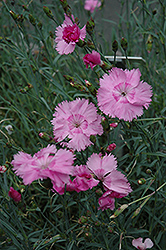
[
  {"x": 105, "y": 170},
  {"x": 67, "y": 35},
  {"x": 76, "y": 120},
  {"x": 47, "y": 163},
  {"x": 142, "y": 246},
  {"x": 123, "y": 95},
  {"x": 106, "y": 202},
  {"x": 111, "y": 147},
  {"x": 16, "y": 196},
  {"x": 91, "y": 5},
  {"x": 92, "y": 59}
]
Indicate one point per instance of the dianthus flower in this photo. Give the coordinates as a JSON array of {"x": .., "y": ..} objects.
[
  {"x": 76, "y": 120},
  {"x": 46, "y": 163},
  {"x": 67, "y": 35},
  {"x": 123, "y": 95},
  {"x": 91, "y": 5},
  {"x": 92, "y": 59},
  {"x": 142, "y": 246},
  {"x": 105, "y": 170}
]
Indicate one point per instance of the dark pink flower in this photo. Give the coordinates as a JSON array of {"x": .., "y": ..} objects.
[
  {"x": 91, "y": 5},
  {"x": 16, "y": 196},
  {"x": 105, "y": 202},
  {"x": 67, "y": 35},
  {"x": 142, "y": 246},
  {"x": 111, "y": 147},
  {"x": 47, "y": 163},
  {"x": 113, "y": 125},
  {"x": 77, "y": 120},
  {"x": 123, "y": 95},
  {"x": 92, "y": 59}
]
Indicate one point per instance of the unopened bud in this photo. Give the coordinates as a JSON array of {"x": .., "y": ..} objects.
[
  {"x": 68, "y": 78},
  {"x": 83, "y": 220},
  {"x": 90, "y": 25},
  {"x": 148, "y": 171},
  {"x": 3, "y": 169},
  {"x": 99, "y": 192},
  {"x": 124, "y": 43},
  {"x": 119, "y": 211},
  {"x": 136, "y": 212},
  {"x": 48, "y": 12},
  {"x": 141, "y": 181},
  {"x": 105, "y": 124},
  {"x": 93, "y": 138},
  {"x": 115, "y": 46},
  {"x": 81, "y": 43},
  {"x": 106, "y": 66},
  {"x": 110, "y": 229},
  {"x": 39, "y": 25},
  {"x": 32, "y": 20},
  {"x": 45, "y": 136},
  {"x": 25, "y": 7},
  {"x": 111, "y": 147},
  {"x": 90, "y": 44},
  {"x": 14, "y": 15},
  {"x": 66, "y": 7},
  {"x": 113, "y": 125},
  {"x": 88, "y": 235}
]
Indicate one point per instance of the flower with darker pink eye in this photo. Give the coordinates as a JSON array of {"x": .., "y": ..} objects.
[
  {"x": 123, "y": 95},
  {"x": 67, "y": 35},
  {"x": 77, "y": 120}
]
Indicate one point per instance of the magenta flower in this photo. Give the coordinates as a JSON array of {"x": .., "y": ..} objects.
[
  {"x": 123, "y": 95},
  {"x": 76, "y": 120},
  {"x": 47, "y": 163},
  {"x": 142, "y": 246},
  {"x": 16, "y": 196},
  {"x": 92, "y": 59},
  {"x": 105, "y": 170},
  {"x": 67, "y": 35},
  {"x": 106, "y": 201},
  {"x": 91, "y": 5}
]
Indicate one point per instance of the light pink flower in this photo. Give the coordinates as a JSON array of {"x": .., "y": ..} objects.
[
  {"x": 76, "y": 120},
  {"x": 91, "y": 5},
  {"x": 142, "y": 246},
  {"x": 16, "y": 196},
  {"x": 47, "y": 163},
  {"x": 123, "y": 95},
  {"x": 105, "y": 170},
  {"x": 92, "y": 59},
  {"x": 67, "y": 35}
]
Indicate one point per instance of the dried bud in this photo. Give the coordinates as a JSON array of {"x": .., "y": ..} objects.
[
  {"x": 149, "y": 43},
  {"x": 90, "y": 25},
  {"x": 136, "y": 212},
  {"x": 20, "y": 18},
  {"x": 124, "y": 43},
  {"x": 105, "y": 124},
  {"x": 115, "y": 46},
  {"x": 32, "y": 20},
  {"x": 48, "y": 12}
]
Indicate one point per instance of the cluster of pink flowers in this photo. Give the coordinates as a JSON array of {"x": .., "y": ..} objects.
[
  {"x": 91, "y": 5},
  {"x": 142, "y": 246}
]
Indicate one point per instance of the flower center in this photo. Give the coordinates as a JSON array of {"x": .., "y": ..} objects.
[
  {"x": 77, "y": 122},
  {"x": 71, "y": 33},
  {"x": 123, "y": 93}
]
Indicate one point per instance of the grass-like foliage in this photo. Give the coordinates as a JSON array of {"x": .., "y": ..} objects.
[{"x": 35, "y": 79}]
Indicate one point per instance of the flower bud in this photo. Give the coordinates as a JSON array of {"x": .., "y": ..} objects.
[
  {"x": 3, "y": 169},
  {"x": 32, "y": 20},
  {"x": 45, "y": 136},
  {"x": 119, "y": 211},
  {"x": 148, "y": 171},
  {"x": 90, "y": 25},
  {"x": 48, "y": 12},
  {"x": 66, "y": 7},
  {"x": 68, "y": 78},
  {"x": 81, "y": 43},
  {"x": 111, "y": 147},
  {"x": 141, "y": 181},
  {"x": 25, "y": 7},
  {"x": 113, "y": 125},
  {"x": 105, "y": 124},
  {"x": 9, "y": 129},
  {"x": 83, "y": 219},
  {"x": 16, "y": 196},
  {"x": 124, "y": 43},
  {"x": 90, "y": 44},
  {"x": 136, "y": 212},
  {"x": 93, "y": 138},
  {"x": 115, "y": 46},
  {"x": 14, "y": 15},
  {"x": 106, "y": 66},
  {"x": 39, "y": 25}
]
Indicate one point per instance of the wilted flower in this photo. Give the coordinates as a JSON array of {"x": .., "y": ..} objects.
[
  {"x": 9, "y": 129},
  {"x": 76, "y": 120},
  {"x": 92, "y": 59},
  {"x": 16, "y": 196},
  {"x": 67, "y": 35},
  {"x": 123, "y": 95},
  {"x": 142, "y": 246},
  {"x": 46, "y": 163},
  {"x": 91, "y": 5}
]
